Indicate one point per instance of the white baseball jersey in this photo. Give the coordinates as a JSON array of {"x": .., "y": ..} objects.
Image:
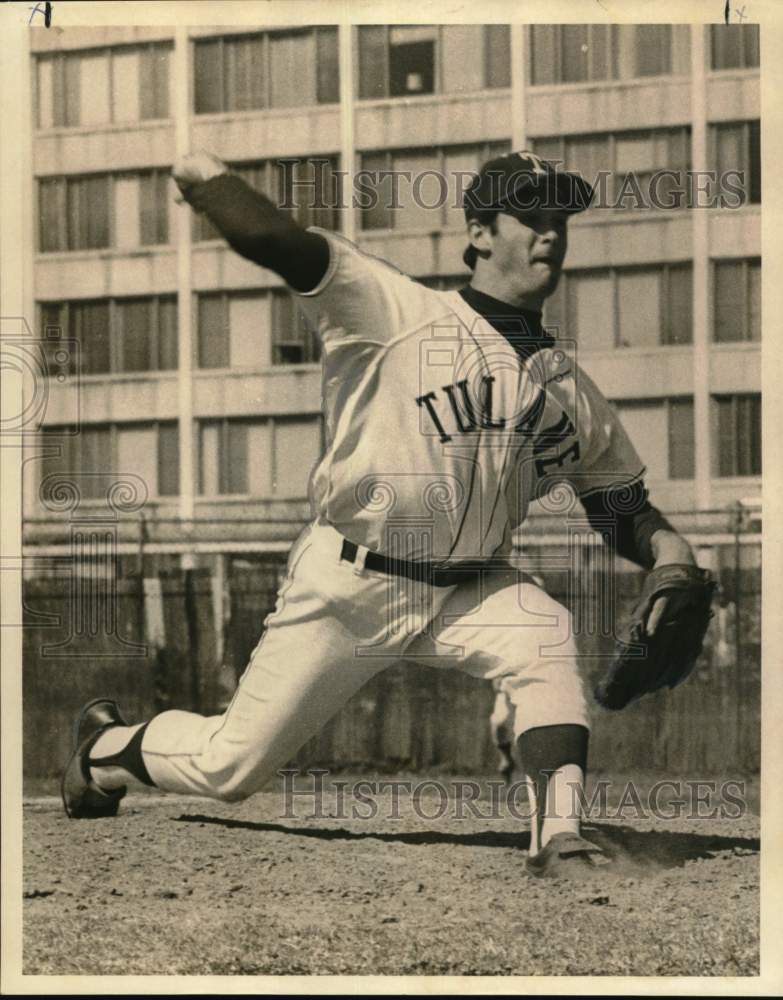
[{"x": 439, "y": 435}]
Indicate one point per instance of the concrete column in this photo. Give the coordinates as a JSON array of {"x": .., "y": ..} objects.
[
  {"x": 700, "y": 222},
  {"x": 519, "y": 70},
  {"x": 347, "y": 112},
  {"x": 182, "y": 110}
]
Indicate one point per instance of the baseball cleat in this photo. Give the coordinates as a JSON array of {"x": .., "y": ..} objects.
[
  {"x": 82, "y": 799},
  {"x": 561, "y": 852}
]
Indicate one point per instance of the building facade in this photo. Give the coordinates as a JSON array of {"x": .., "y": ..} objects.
[{"x": 191, "y": 370}]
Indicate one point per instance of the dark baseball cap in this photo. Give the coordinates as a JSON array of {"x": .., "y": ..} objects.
[{"x": 519, "y": 182}]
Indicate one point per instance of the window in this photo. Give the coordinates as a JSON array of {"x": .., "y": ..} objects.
[
  {"x": 645, "y": 422},
  {"x": 89, "y": 324},
  {"x": 734, "y": 46},
  {"x": 497, "y": 55},
  {"x": 73, "y": 213},
  {"x": 653, "y": 50},
  {"x": 649, "y": 167},
  {"x": 431, "y": 197},
  {"x": 294, "y": 341},
  {"x": 736, "y": 147},
  {"x": 252, "y": 330},
  {"x": 624, "y": 307},
  {"x": 97, "y": 87},
  {"x": 661, "y": 430},
  {"x": 638, "y": 307},
  {"x": 86, "y": 450},
  {"x": 738, "y": 427},
  {"x": 266, "y": 458},
  {"x": 581, "y": 53},
  {"x": 411, "y": 61},
  {"x": 86, "y": 321},
  {"x": 99, "y": 211},
  {"x": 97, "y": 453},
  {"x": 297, "y": 448},
  {"x": 406, "y": 60},
  {"x": 677, "y": 293},
  {"x": 118, "y": 335},
  {"x": 168, "y": 459},
  {"x": 647, "y": 154},
  {"x": 154, "y": 203},
  {"x": 589, "y": 298},
  {"x": 736, "y": 298},
  {"x": 309, "y": 187},
  {"x": 271, "y": 70},
  {"x": 554, "y": 318},
  {"x": 213, "y": 339},
  {"x": 681, "y": 439}
]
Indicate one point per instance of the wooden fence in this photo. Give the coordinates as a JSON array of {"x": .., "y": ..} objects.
[{"x": 411, "y": 718}]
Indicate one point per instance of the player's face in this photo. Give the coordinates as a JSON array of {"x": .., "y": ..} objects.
[{"x": 528, "y": 249}]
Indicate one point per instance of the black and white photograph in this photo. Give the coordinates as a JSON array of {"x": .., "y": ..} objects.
[{"x": 382, "y": 498}]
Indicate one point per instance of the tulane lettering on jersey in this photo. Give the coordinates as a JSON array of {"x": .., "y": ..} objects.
[
  {"x": 463, "y": 414},
  {"x": 454, "y": 433}
]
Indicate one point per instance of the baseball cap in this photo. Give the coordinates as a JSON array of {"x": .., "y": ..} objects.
[{"x": 523, "y": 181}]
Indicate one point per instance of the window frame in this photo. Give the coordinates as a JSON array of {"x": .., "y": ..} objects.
[
  {"x": 667, "y": 403},
  {"x": 223, "y": 424},
  {"x": 115, "y": 331},
  {"x": 670, "y": 133},
  {"x": 73, "y": 441},
  {"x": 734, "y": 399},
  {"x": 612, "y": 43},
  {"x": 224, "y": 298},
  {"x": 58, "y": 61},
  {"x": 671, "y": 402},
  {"x": 264, "y": 37},
  {"x": 746, "y": 264},
  {"x": 744, "y": 66},
  {"x": 485, "y": 151},
  {"x": 437, "y": 65},
  {"x": 747, "y": 125},
  {"x": 271, "y": 179},
  {"x": 64, "y": 183},
  {"x": 663, "y": 271}
]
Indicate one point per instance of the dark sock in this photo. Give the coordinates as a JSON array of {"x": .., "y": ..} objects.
[
  {"x": 545, "y": 749},
  {"x": 128, "y": 758}
]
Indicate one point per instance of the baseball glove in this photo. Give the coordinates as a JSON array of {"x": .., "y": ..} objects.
[{"x": 660, "y": 644}]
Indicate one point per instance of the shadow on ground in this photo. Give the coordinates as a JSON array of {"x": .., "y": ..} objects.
[{"x": 649, "y": 848}]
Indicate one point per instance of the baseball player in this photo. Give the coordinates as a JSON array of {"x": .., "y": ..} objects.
[{"x": 447, "y": 414}]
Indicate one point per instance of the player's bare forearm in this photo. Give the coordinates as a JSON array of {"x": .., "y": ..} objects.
[
  {"x": 670, "y": 547},
  {"x": 258, "y": 230}
]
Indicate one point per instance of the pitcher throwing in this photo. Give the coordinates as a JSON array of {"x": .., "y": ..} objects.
[{"x": 447, "y": 414}]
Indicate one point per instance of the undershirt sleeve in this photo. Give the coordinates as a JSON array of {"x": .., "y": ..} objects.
[
  {"x": 626, "y": 519},
  {"x": 260, "y": 231}
]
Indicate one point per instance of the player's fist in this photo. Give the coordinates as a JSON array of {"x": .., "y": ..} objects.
[{"x": 195, "y": 168}]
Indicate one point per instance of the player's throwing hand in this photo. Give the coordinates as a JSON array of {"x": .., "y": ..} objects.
[{"x": 195, "y": 168}]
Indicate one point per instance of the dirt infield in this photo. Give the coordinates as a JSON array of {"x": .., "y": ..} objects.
[{"x": 185, "y": 886}]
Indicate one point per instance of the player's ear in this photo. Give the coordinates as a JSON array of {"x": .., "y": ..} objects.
[{"x": 480, "y": 236}]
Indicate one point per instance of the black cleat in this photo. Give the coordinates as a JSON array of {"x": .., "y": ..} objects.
[
  {"x": 562, "y": 853},
  {"x": 82, "y": 799}
]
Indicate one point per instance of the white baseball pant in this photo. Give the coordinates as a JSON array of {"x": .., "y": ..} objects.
[{"x": 336, "y": 624}]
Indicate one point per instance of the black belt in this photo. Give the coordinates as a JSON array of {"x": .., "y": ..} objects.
[{"x": 422, "y": 572}]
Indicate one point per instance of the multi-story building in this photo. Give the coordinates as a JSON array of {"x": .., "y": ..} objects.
[{"x": 194, "y": 370}]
